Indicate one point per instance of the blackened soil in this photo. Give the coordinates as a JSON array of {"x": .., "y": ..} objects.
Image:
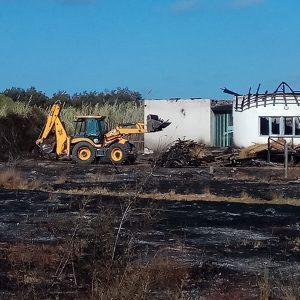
[
  {"x": 262, "y": 183},
  {"x": 228, "y": 247}
]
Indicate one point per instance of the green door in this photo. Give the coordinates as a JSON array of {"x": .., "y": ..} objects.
[{"x": 223, "y": 129}]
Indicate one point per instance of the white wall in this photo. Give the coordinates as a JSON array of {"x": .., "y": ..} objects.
[
  {"x": 246, "y": 127},
  {"x": 190, "y": 119}
]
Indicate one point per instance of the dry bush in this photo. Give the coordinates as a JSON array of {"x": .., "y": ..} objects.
[
  {"x": 278, "y": 285},
  {"x": 61, "y": 179},
  {"x": 166, "y": 273},
  {"x": 12, "y": 179},
  {"x": 246, "y": 197},
  {"x": 265, "y": 285},
  {"x": 161, "y": 276},
  {"x": 38, "y": 255},
  {"x": 33, "y": 267},
  {"x": 295, "y": 244}
]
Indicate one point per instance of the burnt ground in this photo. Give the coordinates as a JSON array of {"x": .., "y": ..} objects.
[{"x": 227, "y": 250}]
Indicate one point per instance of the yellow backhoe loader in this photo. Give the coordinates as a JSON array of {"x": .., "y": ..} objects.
[{"x": 92, "y": 140}]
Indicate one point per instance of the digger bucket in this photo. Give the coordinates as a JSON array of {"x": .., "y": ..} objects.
[{"x": 154, "y": 123}]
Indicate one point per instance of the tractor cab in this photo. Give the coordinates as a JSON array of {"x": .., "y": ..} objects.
[{"x": 92, "y": 127}]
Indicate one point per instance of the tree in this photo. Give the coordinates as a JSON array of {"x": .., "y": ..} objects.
[
  {"x": 117, "y": 96},
  {"x": 38, "y": 98},
  {"x": 63, "y": 97},
  {"x": 30, "y": 96}
]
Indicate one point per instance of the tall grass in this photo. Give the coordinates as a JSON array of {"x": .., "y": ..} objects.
[
  {"x": 8, "y": 106},
  {"x": 115, "y": 114}
]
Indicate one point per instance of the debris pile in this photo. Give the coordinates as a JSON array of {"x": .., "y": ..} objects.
[
  {"x": 185, "y": 153},
  {"x": 189, "y": 153},
  {"x": 258, "y": 150}
]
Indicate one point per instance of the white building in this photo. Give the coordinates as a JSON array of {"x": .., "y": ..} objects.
[
  {"x": 257, "y": 117},
  {"x": 195, "y": 119},
  {"x": 249, "y": 119}
]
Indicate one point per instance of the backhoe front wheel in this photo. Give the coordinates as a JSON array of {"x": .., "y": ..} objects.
[
  {"x": 118, "y": 154},
  {"x": 83, "y": 153}
]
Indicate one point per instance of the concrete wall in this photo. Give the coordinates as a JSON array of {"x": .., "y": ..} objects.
[
  {"x": 190, "y": 119},
  {"x": 246, "y": 125}
]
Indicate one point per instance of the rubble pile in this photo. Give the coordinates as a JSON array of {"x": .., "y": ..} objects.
[
  {"x": 189, "y": 153},
  {"x": 258, "y": 149}
]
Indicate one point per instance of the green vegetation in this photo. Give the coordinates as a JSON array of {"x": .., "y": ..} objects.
[
  {"x": 8, "y": 106},
  {"x": 119, "y": 106},
  {"x": 115, "y": 113},
  {"x": 33, "y": 97}
]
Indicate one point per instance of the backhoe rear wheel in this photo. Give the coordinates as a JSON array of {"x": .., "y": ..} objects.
[
  {"x": 83, "y": 153},
  {"x": 118, "y": 154}
]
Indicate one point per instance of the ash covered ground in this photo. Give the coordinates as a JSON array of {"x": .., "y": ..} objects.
[{"x": 140, "y": 232}]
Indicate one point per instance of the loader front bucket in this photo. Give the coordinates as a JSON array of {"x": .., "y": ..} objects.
[{"x": 154, "y": 123}]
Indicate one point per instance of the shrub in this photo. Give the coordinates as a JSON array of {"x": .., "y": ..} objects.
[{"x": 12, "y": 179}]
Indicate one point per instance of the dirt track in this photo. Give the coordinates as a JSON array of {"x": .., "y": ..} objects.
[{"x": 228, "y": 247}]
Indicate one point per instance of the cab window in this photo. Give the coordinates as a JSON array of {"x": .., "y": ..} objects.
[{"x": 92, "y": 127}]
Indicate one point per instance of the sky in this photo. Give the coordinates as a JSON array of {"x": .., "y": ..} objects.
[{"x": 160, "y": 48}]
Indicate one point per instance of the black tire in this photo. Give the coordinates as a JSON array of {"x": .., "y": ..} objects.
[
  {"x": 83, "y": 153},
  {"x": 119, "y": 154}
]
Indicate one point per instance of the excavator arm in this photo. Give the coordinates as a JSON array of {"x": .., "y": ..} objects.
[
  {"x": 131, "y": 128},
  {"x": 54, "y": 124},
  {"x": 154, "y": 124}
]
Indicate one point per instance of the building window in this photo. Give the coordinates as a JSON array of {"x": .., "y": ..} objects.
[
  {"x": 288, "y": 125},
  {"x": 297, "y": 125},
  {"x": 279, "y": 126},
  {"x": 275, "y": 126},
  {"x": 264, "y": 126}
]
